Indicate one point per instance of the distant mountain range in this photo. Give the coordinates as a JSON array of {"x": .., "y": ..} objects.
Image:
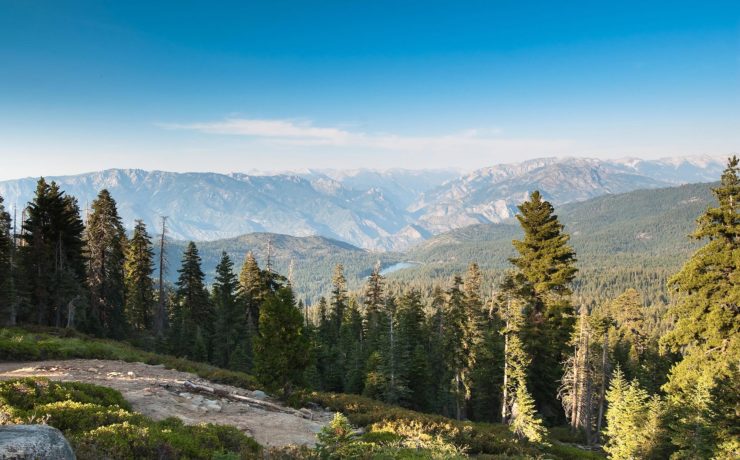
[
  {"x": 376, "y": 210},
  {"x": 640, "y": 235}
]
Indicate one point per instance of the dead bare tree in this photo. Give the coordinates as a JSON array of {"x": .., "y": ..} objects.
[{"x": 161, "y": 317}]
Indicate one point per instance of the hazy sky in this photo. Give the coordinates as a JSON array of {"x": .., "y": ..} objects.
[{"x": 273, "y": 85}]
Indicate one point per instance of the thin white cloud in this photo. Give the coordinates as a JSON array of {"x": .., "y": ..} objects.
[
  {"x": 265, "y": 128},
  {"x": 305, "y": 134}
]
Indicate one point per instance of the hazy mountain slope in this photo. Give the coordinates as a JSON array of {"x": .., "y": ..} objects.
[
  {"x": 637, "y": 239},
  {"x": 401, "y": 186},
  {"x": 641, "y": 227},
  {"x": 205, "y": 206},
  {"x": 686, "y": 170},
  {"x": 491, "y": 194}
]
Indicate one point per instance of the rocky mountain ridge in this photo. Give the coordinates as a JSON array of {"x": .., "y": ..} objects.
[{"x": 376, "y": 210}]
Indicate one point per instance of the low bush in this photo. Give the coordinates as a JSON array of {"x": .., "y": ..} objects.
[
  {"x": 99, "y": 424},
  {"x": 479, "y": 439}
]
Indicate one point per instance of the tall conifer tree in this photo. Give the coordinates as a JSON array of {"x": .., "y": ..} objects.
[
  {"x": 281, "y": 346},
  {"x": 413, "y": 362},
  {"x": 546, "y": 264},
  {"x": 52, "y": 258},
  {"x": 252, "y": 289},
  {"x": 192, "y": 313},
  {"x": 139, "y": 267},
  {"x": 457, "y": 344},
  {"x": 517, "y": 404},
  {"x": 702, "y": 388},
  {"x": 229, "y": 315},
  {"x": 351, "y": 343},
  {"x": 7, "y": 271},
  {"x": 106, "y": 243}
]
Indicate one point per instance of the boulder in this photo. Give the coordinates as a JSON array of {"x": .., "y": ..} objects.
[
  {"x": 258, "y": 394},
  {"x": 34, "y": 441}
]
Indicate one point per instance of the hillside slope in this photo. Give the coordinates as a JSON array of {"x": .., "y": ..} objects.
[
  {"x": 313, "y": 259},
  {"x": 645, "y": 226},
  {"x": 640, "y": 235}
]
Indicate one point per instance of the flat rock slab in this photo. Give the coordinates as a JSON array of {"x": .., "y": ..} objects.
[{"x": 42, "y": 442}]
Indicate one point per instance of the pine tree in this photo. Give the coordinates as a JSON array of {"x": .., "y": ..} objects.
[
  {"x": 584, "y": 381},
  {"x": 413, "y": 364},
  {"x": 376, "y": 319},
  {"x": 473, "y": 300},
  {"x": 524, "y": 420},
  {"x": 7, "y": 271},
  {"x": 138, "y": 268},
  {"x": 106, "y": 243},
  {"x": 517, "y": 404},
  {"x": 392, "y": 355},
  {"x": 338, "y": 302},
  {"x": 459, "y": 357},
  {"x": 546, "y": 263},
  {"x": 230, "y": 327},
  {"x": 351, "y": 343},
  {"x": 702, "y": 388},
  {"x": 473, "y": 324},
  {"x": 160, "y": 317},
  {"x": 252, "y": 289},
  {"x": 281, "y": 347},
  {"x": 375, "y": 378},
  {"x": 436, "y": 348},
  {"x": 488, "y": 373},
  {"x": 630, "y": 337},
  {"x": 192, "y": 312},
  {"x": 634, "y": 421},
  {"x": 52, "y": 259},
  {"x": 332, "y": 357},
  {"x": 327, "y": 351}
]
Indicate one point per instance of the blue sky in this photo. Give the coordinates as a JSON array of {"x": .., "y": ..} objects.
[{"x": 274, "y": 85}]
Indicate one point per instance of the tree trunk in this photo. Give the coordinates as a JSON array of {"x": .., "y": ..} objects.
[
  {"x": 159, "y": 320},
  {"x": 604, "y": 380},
  {"x": 587, "y": 381},
  {"x": 505, "y": 396}
]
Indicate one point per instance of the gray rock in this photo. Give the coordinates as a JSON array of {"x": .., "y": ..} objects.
[
  {"x": 34, "y": 442},
  {"x": 212, "y": 405},
  {"x": 258, "y": 394}
]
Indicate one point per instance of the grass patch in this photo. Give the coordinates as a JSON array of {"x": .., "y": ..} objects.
[
  {"x": 19, "y": 344},
  {"x": 99, "y": 424}
]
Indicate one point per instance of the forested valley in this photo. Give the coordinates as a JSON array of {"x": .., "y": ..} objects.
[{"x": 621, "y": 373}]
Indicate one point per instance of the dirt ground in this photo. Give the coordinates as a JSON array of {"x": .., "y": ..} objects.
[{"x": 159, "y": 393}]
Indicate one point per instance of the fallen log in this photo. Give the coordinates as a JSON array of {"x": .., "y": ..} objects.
[{"x": 196, "y": 388}]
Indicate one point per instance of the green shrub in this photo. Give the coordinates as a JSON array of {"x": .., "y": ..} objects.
[
  {"x": 99, "y": 424},
  {"x": 478, "y": 439},
  {"x": 75, "y": 416},
  {"x": 26, "y": 393}
]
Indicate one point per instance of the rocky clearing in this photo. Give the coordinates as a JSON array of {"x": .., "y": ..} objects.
[{"x": 160, "y": 393}]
